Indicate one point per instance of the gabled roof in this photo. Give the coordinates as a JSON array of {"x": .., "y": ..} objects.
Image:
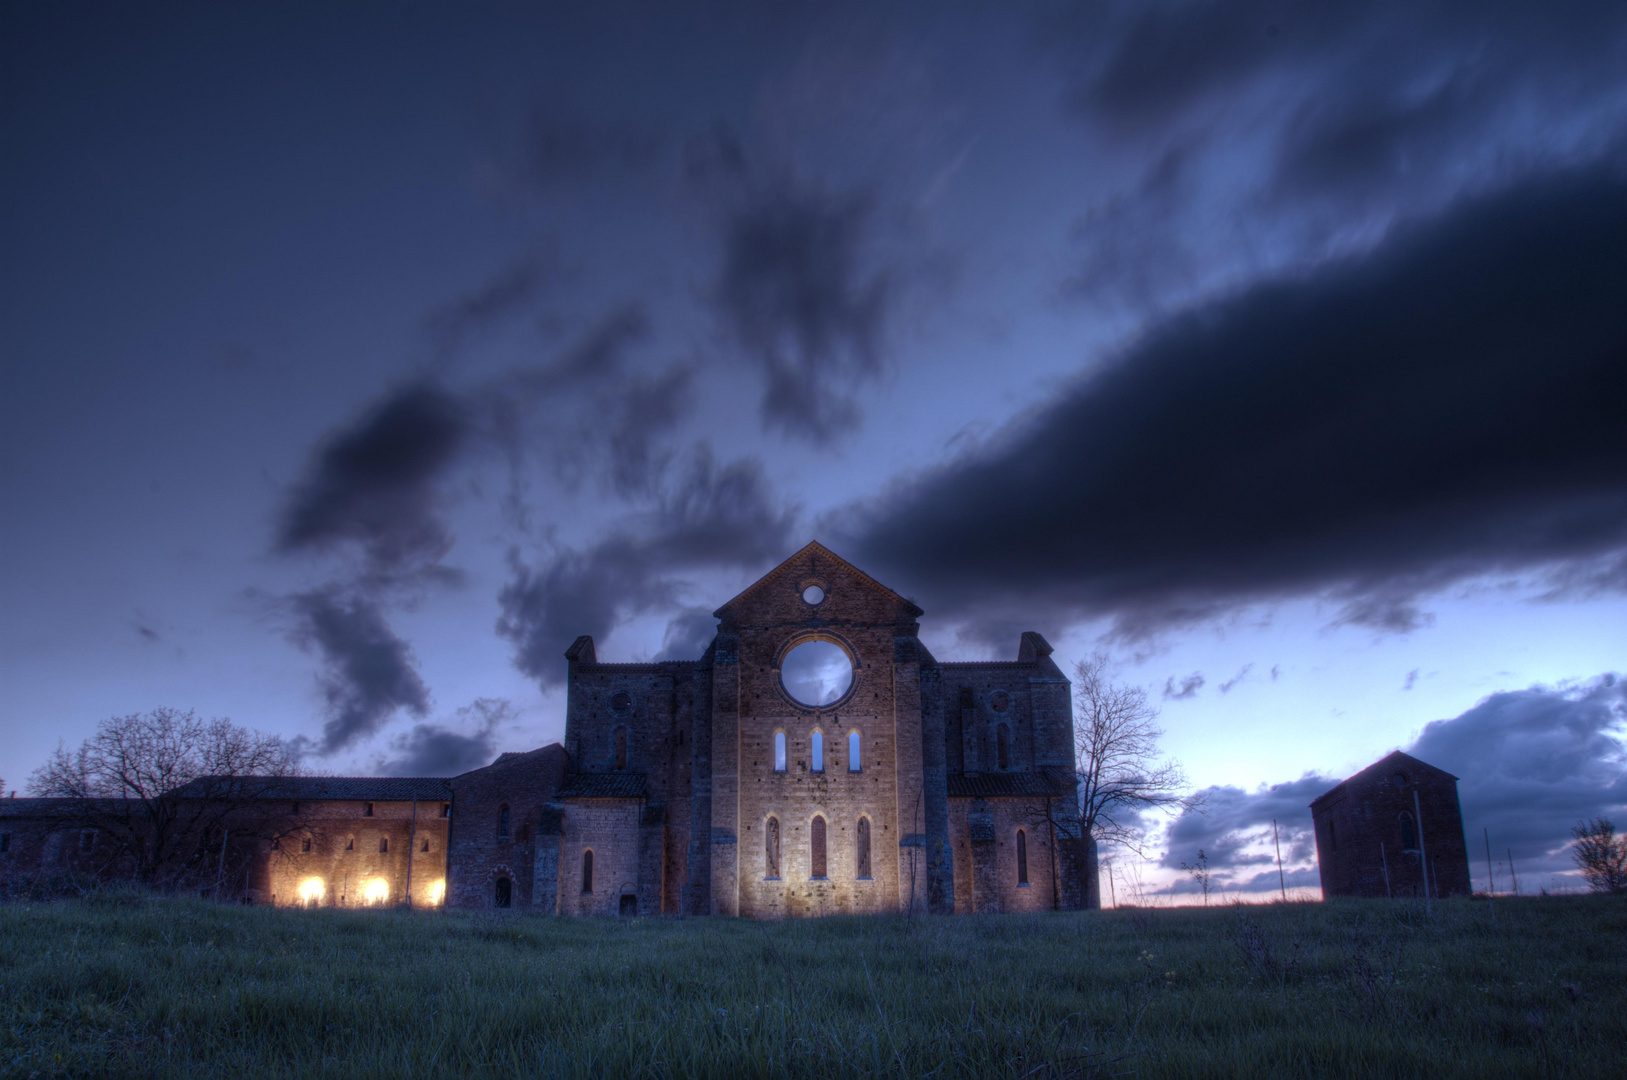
[
  {"x": 817, "y": 552},
  {"x": 1396, "y": 760}
]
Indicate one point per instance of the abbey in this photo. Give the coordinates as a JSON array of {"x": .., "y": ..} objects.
[
  {"x": 753, "y": 782},
  {"x": 815, "y": 759}
]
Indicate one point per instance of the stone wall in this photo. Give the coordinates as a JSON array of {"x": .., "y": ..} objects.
[
  {"x": 337, "y": 854},
  {"x": 481, "y": 851}
]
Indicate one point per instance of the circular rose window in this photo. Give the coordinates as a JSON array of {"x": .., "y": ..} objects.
[
  {"x": 813, "y": 594},
  {"x": 816, "y": 674}
]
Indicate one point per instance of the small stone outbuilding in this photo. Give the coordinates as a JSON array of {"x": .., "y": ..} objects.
[{"x": 1390, "y": 830}]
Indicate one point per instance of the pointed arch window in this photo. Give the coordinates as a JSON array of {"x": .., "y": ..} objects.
[
  {"x": 505, "y": 892},
  {"x": 779, "y": 751},
  {"x": 587, "y": 871},
  {"x": 1409, "y": 832},
  {"x": 1002, "y": 746},
  {"x": 816, "y": 838},
  {"x": 502, "y": 820},
  {"x": 854, "y": 762},
  {"x": 863, "y": 860},
  {"x": 818, "y": 753},
  {"x": 1022, "y": 857},
  {"x": 771, "y": 848},
  {"x": 621, "y": 748}
]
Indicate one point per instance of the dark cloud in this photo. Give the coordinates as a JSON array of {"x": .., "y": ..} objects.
[
  {"x": 1186, "y": 688},
  {"x": 1443, "y": 407},
  {"x": 591, "y": 411},
  {"x": 797, "y": 292},
  {"x": 1233, "y": 827},
  {"x": 1242, "y": 673},
  {"x": 507, "y": 292},
  {"x": 715, "y": 516},
  {"x": 368, "y": 671},
  {"x": 373, "y": 483},
  {"x": 431, "y": 749},
  {"x": 1532, "y": 763},
  {"x": 688, "y": 634}
]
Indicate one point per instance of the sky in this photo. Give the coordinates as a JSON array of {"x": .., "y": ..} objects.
[{"x": 355, "y": 359}]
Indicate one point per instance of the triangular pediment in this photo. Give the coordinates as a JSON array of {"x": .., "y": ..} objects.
[{"x": 813, "y": 562}]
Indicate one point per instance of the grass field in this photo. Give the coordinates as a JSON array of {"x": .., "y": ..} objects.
[{"x": 130, "y": 987}]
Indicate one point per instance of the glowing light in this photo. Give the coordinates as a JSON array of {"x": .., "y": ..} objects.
[
  {"x": 311, "y": 890},
  {"x": 377, "y": 891},
  {"x": 437, "y": 891}
]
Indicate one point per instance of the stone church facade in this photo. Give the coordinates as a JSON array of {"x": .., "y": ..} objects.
[{"x": 708, "y": 787}]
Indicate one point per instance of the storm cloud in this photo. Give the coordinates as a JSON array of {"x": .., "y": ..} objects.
[
  {"x": 1530, "y": 764},
  {"x": 797, "y": 293},
  {"x": 373, "y": 483},
  {"x": 715, "y": 516},
  {"x": 368, "y": 672},
  {"x": 1445, "y": 406},
  {"x": 435, "y": 749}
]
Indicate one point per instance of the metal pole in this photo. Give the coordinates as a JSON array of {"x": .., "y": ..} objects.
[
  {"x": 412, "y": 844},
  {"x": 1491, "y": 884},
  {"x": 1112, "y": 892},
  {"x": 1282, "y": 882},
  {"x": 220, "y": 873},
  {"x": 1512, "y": 873},
  {"x": 1423, "y": 852},
  {"x": 1384, "y": 862}
]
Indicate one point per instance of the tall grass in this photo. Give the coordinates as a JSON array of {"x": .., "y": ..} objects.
[{"x": 140, "y": 987}]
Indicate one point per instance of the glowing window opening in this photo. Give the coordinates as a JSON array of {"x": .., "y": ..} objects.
[
  {"x": 779, "y": 751},
  {"x": 818, "y": 755},
  {"x": 853, "y": 762}
]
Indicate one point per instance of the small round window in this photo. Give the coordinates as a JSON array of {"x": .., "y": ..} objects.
[
  {"x": 816, "y": 674},
  {"x": 813, "y": 594},
  {"x": 999, "y": 701},
  {"x": 621, "y": 703}
]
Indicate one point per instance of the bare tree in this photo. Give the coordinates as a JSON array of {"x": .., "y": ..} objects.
[
  {"x": 1117, "y": 759},
  {"x": 1601, "y": 854},
  {"x": 160, "y": 785}
]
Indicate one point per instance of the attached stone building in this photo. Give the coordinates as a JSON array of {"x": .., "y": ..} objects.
[
  {"x": 1390, "y": 828},
  {"x": 723, "y": 785}
]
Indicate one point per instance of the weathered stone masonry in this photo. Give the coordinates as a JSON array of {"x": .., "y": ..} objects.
[{"x": 665, "y": 798}]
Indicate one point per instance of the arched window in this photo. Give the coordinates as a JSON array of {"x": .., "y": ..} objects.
[
  {"x": 502, "y": 820},
  {"x": 779, "y": 751},
  {"x": 1022, "y": 857},
  {"x": 621, "y": 748},
  {"x": 1409, "y": 832},
  {"x": 818, "y": 754},
  {"x": 384, "y": 845},
  {"x": 587, "y": 871},
  {"x": 863, "y": 861},
  {"x": 853, "y": 762},
  {"x": 505, "y": 892},
  {"x": 816, "y": 834},
  {"x": 426, "y": 845},
  {"x": 1002, "y": 746},
  {"x": 771, "y": 848},
  {"x": 1333, "y": 836}
]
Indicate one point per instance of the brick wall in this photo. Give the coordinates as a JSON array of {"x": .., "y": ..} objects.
[
  {"x": 479, "y": 852},
  {"x": 1360, "y": 847}
]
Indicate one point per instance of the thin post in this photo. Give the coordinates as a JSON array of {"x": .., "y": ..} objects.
[
  {"x": 1384, "y": 862},
  {"x": 412, "y": 844},
  {"x": 1282, "y": 882},
  {"x": 1423, "y": 852},
  {"x": 1112, "y": 892},
  {"x": 220, "y": 873},
  {"x": 1512, "y": 873},
  {"x": 1491, "y": 882}
]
